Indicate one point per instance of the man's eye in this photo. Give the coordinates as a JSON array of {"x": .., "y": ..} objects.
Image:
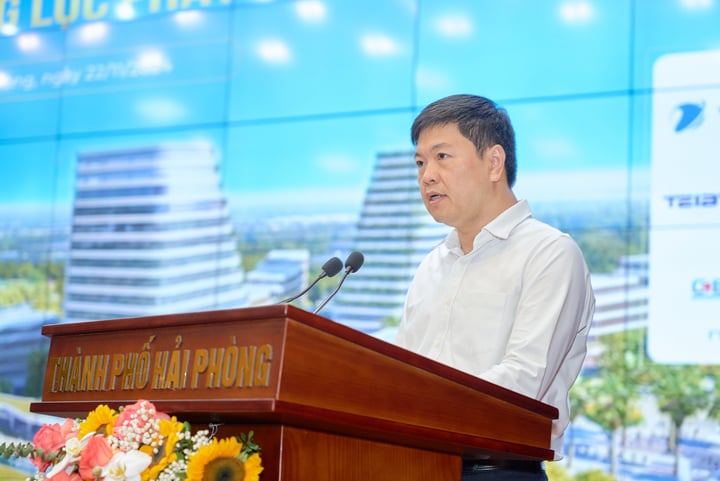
[
  {"x": 419, "y": 163},
  {"x": 442, "y": 155}
]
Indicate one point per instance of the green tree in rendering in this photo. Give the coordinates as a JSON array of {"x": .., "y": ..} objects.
[
  {"x": 37, "y": 360},
  {"x": 613, "y": 394},
  {"x": 5, "y": 385},
  {"x": 713, "y": 376},
  {"x": 602, "y": 249},
  {"x": 579, "y": 397},
  {"x": 39, "y": 285},
  {"x": 681, "y": 391}
]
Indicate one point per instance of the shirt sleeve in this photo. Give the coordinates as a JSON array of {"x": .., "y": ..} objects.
[{"x": 547, "y": 343}]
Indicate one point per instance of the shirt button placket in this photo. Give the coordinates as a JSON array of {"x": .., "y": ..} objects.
[{"x": 449, "y": 293}]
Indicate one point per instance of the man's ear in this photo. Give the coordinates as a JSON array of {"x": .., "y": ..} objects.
[{"x": 496, "y": 162}]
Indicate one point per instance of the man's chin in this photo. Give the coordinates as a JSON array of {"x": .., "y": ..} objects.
[{"x": 438, "y": 218}]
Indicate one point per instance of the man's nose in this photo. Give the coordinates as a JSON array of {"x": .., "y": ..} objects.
[{"x": 428, "y": 175}]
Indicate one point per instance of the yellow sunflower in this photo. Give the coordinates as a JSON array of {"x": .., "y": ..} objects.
[
  {"x": 100, "y": 421},
  {"x": 220, "y": 461},
  {"x": 169, "y": 430},
  {"x": 253, "y": 468}
]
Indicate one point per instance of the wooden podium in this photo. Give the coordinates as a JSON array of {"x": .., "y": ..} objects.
[{"x": 326, "y": 402}]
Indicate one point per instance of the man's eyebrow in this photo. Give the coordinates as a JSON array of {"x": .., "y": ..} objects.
[
  {"x": 433, "y": 148},
  {"x": 440, "y": 145}
]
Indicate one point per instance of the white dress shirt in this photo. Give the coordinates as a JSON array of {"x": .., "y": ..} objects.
[{"x": 514, "y": 311}]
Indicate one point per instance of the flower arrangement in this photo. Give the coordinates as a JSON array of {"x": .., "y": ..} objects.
[{"x": 136, "y": 443}]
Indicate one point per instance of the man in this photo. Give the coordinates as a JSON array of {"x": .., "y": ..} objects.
[{"x": 504, "y": 297}]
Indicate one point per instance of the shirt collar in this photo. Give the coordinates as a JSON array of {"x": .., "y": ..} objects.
[{"x": 500, "y": 227}]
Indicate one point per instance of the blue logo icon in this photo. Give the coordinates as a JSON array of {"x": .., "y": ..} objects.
[{"x": 691, "y": 116}]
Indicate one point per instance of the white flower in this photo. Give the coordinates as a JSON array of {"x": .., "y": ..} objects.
[
  {"x": 74, "y": 446},
  {"x": 126, "y": 466}
]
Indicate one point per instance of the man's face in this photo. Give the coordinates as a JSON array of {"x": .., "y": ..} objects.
[{"x": 454, "y": 178}]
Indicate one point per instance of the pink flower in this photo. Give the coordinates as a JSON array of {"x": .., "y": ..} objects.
[
  {"x": 136, "y": 417},
  {"x": 50, "y": 438},
  {"x": 73, "y": 450},
  {"x": 69, "y": 429},
  {"x": 96, "y": 455}
]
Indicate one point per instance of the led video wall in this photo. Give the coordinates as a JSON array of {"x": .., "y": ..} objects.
[
  {"x": 616, "y": 106},
  {"x": 297, "y": 99}
]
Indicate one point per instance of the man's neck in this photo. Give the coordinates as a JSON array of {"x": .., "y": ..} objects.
[{"x": 467, "y": 237}]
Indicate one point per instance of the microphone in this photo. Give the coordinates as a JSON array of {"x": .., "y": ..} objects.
[
  {"x": 353, "y": 262},
  {"x": 330, "y": 268}
]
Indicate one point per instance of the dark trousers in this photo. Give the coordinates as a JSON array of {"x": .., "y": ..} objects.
[{"x": 503, "y": 471}]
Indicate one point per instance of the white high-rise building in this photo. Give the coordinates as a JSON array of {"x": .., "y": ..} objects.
[
  {"x": 394, "y": 233},
  {"x": 281, "y": 274},
  {"x": 151, "y": 234}
]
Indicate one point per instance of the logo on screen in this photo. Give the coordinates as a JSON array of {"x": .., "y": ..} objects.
[
  {"x": 689, "y": 201},
  {"x": 706, "y": 288},
  {"x": 688, "y": 116}
]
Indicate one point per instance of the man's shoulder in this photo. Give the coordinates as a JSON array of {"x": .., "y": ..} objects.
[
  {"x": 543, "y": 234},
  {"x": 534, "y": 226}
]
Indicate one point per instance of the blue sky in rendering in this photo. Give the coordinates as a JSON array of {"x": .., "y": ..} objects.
[
  {"x": 522, "y": 49},
  {"x": 300, "y": 97},
  {"x": 313, "y": 58}
]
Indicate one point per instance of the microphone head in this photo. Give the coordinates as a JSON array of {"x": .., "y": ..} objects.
[
  {"x": 354, "y": 261},
  {"x": 332, "y": 266}
]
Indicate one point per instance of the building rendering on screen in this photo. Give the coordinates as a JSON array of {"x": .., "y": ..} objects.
[
  {"x": 394, "y": 233},
  {"x": 20, "y": 336},
  {"x": 280, "y": 274},
  {"x": 151, "y": 234}
]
